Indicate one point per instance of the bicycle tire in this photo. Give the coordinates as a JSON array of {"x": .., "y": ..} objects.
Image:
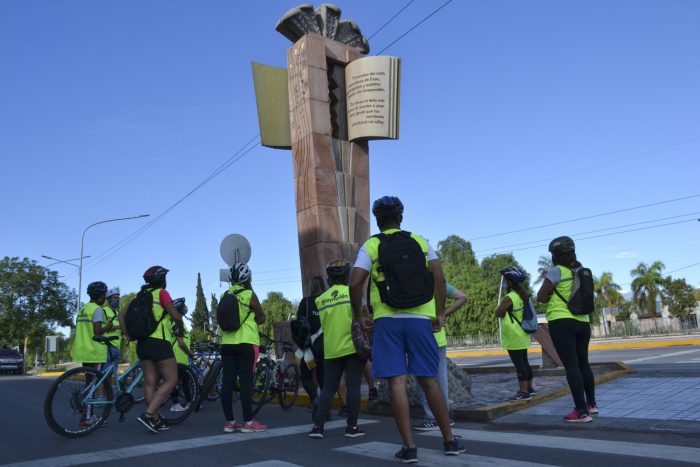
[
  {"x": 288, "y": 386},
  {"x": 209, "y": 380},
  {"x": 76, "y": 403},
  {"x": 139, "y": 392},
  {"x": 215, "y": 392},
  {"x": 262, "y": 380},
  {"x": 186, "y": 383}
]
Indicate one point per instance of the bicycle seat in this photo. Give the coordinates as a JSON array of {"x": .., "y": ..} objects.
[{"x": 103, "y": 339}]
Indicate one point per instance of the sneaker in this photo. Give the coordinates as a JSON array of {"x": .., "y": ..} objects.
[
  {"x": 407, "y": 455},
  {"x": 372, "y": 395},
  {"x": 454, "y": 447},
  {"x": 576, "y": 416},
  {"x": 343, "y": 412},
  {"x": 521, "y": 396},
  {"x": 592, "y": 408},
  {"x": 452, "y": 422},
  {"x": 162, "y": 424},
  {"x": 427, "y": 426},
  {"x": 147, "y": 421},
  {"x": 316, "y": 432},
  {"x": 88, "y": 422},
  {"x": 232, "y": 427},
  {"x": 253, "y": 427},
  {"x": 176, "y": 407},
  {"x": 353, "y": 432},
  {"x": 532, "y": 392}
]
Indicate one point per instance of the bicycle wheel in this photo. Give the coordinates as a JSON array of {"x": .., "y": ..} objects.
[
  {"x": 262, "y": 380},
  {"x": 183, "y": 399},
  {"x": 139, "y": 392},
  {"x": 288, "y": 385},
  {"x": 215, "y": 392},
  {"x": 75, "y": 406},
  {"x": 209, "y": 381}
]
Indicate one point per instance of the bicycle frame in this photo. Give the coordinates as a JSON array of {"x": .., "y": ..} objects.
[{"x": 111, "y": 370}]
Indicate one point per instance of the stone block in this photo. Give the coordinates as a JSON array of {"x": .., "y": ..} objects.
[
  {"x": 318, "y": 223},
  {"x": 315, "y": 186},
  {"x": 313, "y": 150},
  {"x": 359, "y": 159}
]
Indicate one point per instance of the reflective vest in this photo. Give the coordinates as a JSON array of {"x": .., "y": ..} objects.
[
  {"x": 111, "y": 317},
  {"x": 162, "y": 331},
  {"x": 85, "y": 350},
  {"x": 556, "y": 307},
  {"x": 336, "y": 320},
  {"x": 180, "y": 355},
  {"x": 248, "y": 333},
  {"x": 382, "y": 309},
  {"x": 512, "y": 335}
]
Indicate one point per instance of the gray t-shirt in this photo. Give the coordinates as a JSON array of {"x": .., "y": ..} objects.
[
  {"x": 554, "y": 275},
  {"x": 98, "y": 316}
]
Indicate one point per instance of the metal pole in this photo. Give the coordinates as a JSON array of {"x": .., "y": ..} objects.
[
  {"x": 82, "y": 241},
  {"x": 500, "y": 290}
]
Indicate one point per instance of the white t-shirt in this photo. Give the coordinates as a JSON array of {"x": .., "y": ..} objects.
[{"x": 365, "y": 262}]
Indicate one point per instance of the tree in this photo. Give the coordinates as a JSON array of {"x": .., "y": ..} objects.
[
  {"x": 200, "y": 315},
  {"x": 678, "y": 296},
  {"x": 276, "y": 308},
  {"x": 606, "y": 290},
  {"x": 33, "y": 302},
  {"x": 544, "y": 264},
  {"x": 214, "y": 306},
  {"x": 646, "y": 286}
]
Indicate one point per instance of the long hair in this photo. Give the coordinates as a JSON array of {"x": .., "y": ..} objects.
[
  {"x": 518, "y": 288},
  {"x": 317, "y": 285},
  {"x": 567, "y": 259}
]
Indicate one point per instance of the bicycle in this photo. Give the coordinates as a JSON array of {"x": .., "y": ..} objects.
[
  {"x": 87, "y": 396},
  {"x": 273, "y": 378}
]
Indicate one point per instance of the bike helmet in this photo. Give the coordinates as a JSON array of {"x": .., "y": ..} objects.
[
  {"x": 155, "y": 275},
  {"x": 179, "y": 304},
  {"x": 387, "y": 206},
  {"x": 561, "y": 245},
  {"x": 112, "y": 291},
  {"x": 514, "y": 275},
  {"x": 239, "y": 273},
  {"x": 338, "y": 267},
  {"x": 95, "y": 289}
]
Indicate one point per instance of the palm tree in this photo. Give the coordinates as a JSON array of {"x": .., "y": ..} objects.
[
  {"x": 646, "y": 286},
  {"x": 607, "y": 291},
  {"x": 544, "y": 264}
]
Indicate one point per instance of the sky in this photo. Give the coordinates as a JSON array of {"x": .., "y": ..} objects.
[{"x": 514, "y": 115}]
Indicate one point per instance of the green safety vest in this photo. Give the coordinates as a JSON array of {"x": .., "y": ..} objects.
[
  {"x": 512, "y": 335},
  {"x": 86, "y": 350},
  {"x": 557, "y": 308},
  {"x": 248, "y": 333},
  {"x": 111, "y": 317},
  {"x": 180, "y": 354},
  {"x": 382, "y": 309},
  {"x": 335, "y": 313},
  {"x": 163, "y": 330}
]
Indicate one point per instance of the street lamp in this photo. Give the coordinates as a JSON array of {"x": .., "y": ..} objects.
[
  {"x": 66, "y": 261},
  {"x": 82, "y": 241}
]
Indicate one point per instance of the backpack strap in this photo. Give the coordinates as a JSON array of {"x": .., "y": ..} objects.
[
  {"x": 557, "y": 292},
  {"x": 513, "y": 317}
]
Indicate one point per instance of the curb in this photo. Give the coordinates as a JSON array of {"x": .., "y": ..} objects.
[{"x": 490, "y": 412}]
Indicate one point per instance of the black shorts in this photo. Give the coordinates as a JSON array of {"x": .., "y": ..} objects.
[{"x": 155, "y": 350}]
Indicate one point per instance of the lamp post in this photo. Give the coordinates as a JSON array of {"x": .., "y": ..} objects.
[
  {"x": 82, "y": 241},
  {"x": 66, "y": 261}
]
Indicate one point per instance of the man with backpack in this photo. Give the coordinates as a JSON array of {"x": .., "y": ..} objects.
[{"x": 407, "y": 295}]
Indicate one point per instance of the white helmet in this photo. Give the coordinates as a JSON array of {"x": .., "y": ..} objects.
[
  {"x": 112, "y": 291},
  {"x": 239, "y": 273}
]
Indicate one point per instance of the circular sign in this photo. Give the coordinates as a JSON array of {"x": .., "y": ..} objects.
[{"x": 235, "y": 248}]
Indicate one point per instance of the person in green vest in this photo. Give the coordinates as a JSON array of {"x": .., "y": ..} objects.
[
  {"x": 570, "y": 333},
  {"x": 111, "y": 317},
  {"x": 183, "y": 353},
  {"x": 340, "y": 357},
  {"x": 459, "y": 298},
  {"x": 513, "y": 339},
  {"x": 239, "y": 351}
]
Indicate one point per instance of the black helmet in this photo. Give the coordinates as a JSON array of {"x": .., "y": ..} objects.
[
  {"x": 179, "y": 304},
  {"x": 95, "y": 289},
  {"x": 561, "y": 245},
  {"x": 338, "y": 267},
  {"x": 513, "y": 274},
  {"x": 155, "y": 274},
  {"x": 387, "y": 205}
]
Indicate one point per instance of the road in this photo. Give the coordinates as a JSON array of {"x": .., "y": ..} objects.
[{"x": 25, "y": 438}]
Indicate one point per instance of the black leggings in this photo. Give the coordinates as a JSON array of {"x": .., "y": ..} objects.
[
  {"x": 571, "y": 337},
  {"x": 183, "y": 385},
  {"x": 237, "y": 361},
  {"x": 522, "y": 366},
  {"x": 352, "y": 366},
  {"x": 307, "y": 378}
]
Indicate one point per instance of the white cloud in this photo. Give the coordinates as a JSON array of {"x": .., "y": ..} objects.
[{"x": 626, "y": 255}]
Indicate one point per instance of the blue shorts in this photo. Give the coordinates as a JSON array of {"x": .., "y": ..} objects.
[{"x": 403, "y": 346}]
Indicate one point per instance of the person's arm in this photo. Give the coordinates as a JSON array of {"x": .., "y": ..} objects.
[
  {"x": 122, "y": 324},
  {"x": 257, "y": 309},
  {"x": 435, "y": 267},
  {"x": 545, "y": 291},
  {"x": 503, "y": 307},
  {"x": 97, "y": 323},
  {"x": 459, "y": 298},
  {"x": 183, "y": 346},
  {"x": 358, "y": 276},
  {"x": 176, "y": 317}
]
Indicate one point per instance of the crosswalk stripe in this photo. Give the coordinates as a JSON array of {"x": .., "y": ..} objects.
[
  {"x": 625, "y": 448},
  {"x": 433, "y": 457},
  {"x": 172, "y": 446},
  {"x": 272, "y": 463}
]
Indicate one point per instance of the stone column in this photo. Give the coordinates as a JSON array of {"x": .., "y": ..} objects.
[{"x": 331, "y": 174}]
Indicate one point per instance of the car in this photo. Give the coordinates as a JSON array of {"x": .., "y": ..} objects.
[{"x": 11, "y": 361}]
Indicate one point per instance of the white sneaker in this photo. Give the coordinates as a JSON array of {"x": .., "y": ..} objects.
[{"x": 177, "y": 408}]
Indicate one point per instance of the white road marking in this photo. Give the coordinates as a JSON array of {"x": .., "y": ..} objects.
[
  {"x": 654, "y": 357},
  {"x": 272, "y": 463},
  {"x": 172, "y": 446},
  {"x": 624, "y": 448},
  {"x": 433, "y": 457}
]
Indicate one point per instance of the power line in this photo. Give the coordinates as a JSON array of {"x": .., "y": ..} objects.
[
  {"x": 586, "y": 217},
  {"x": 391, "y": 19},
  {"x": 684, "y": 267},
  {"x": 415, "y": 26}
]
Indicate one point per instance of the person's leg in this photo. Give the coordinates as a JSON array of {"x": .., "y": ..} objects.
[
  {"x": 367, "y": 372},
  {"x": 530, "y": 389},
  {"x": 563, "y": 336},
  {"x": 442, "y": 376},
  {"x": 168, "y": 372},
  {"x": 320, "y": 368},
  {"x": 246, "y": 360},
  {"x": 228, "y": 380},
  {"x": 333, "y": 371},
  {"x": 150, "y": 381},
  {"x": 583, "y": 338},
  {"x": 354, "y": 367},
  {"x": 342, "y": 391},
  {"x": 518, "y": 358},
  {"x": 307, "y": 381},
  {"x": 401, "y": 409}
]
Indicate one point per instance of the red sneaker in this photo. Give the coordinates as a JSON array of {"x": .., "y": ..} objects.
[
  {"x": 253, "y": 427},
  {"x": 576, "y": 416},
  {"x": 231, "y": 427}
]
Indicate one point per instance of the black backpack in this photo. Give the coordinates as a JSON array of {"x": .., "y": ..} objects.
[
  {"x": 228, "y": 312},
  {"x": 581, "y": 301},
  {"x": 139, "y": 319},
  {"x": 407, "y": 281}
]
